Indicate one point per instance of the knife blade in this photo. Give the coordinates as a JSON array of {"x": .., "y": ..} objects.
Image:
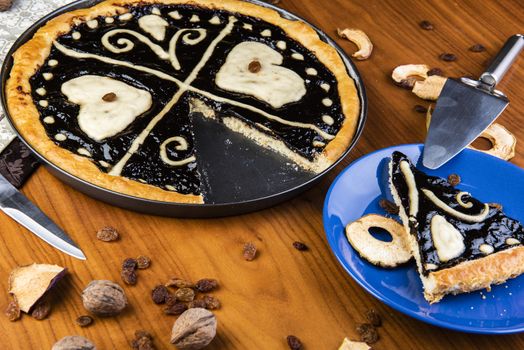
[
  {"x": 465, "y": 108},
  {"x": 19, "y": 208}
]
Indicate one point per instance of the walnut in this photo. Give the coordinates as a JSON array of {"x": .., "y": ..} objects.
[
  {"x": 194, "y": 329},
  {"x": 73, "y": 342},
  {"x": 104, "y": 298}
]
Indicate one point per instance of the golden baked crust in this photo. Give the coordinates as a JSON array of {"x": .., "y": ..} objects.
[{"x": 29, "y": 57}]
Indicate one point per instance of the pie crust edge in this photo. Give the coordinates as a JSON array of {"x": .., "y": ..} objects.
[{"x": 30, "y": 56}]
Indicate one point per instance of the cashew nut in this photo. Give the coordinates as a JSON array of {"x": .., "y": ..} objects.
[
  {"x": 359, "y": 38},
  {"x": 430, "y": 88},
  {"x": 503, "y": 142},
  {"x": 405, "y": 71}
]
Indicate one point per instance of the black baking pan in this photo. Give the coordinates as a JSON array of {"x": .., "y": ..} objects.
[{"x": 239, "y": 176}]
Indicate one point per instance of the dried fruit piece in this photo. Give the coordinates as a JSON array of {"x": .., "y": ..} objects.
[
  {"x": 254, "y": 66},
  {"x": 143, "y": 341},
  {"x": 29, "y": 283},
  {"x": 426, "y": 25},
  {"x": 159, "y": 294},
  {"x": 448, "y": 57},
  {"x": 503, "y": 142},
  {"x": 41, "y": 310},
  {"x": 388, "y": 206},
  {"x": 179, "y": 283},
  {"x": 293, "y": 342},
  {"x": 430, "y": 88},
  {"x": 197, "y": 303},
  {"x": 206, "y": 285},
  {"x": 477, "y": 48},
  {"x": 104, "y": 298},
  {"x": 108, "y": 234},
  {"x": 13, "y": 311},
  {"x": 300, "y": 246},
  {"x": 109, "y": 97},
  {"x": 495, "y": 205},
  {"x": 353, "y": 345},
  {"x": 170, "y": 300},
  {"x": 368, "y": 333},
  {"x": 5, "y": 5},
  {"x": 130, "y": 264},
  {"x": 84, "y": 320},
  {"x": 185, "y": 294},
  {"x": 420, "y": 109},
  {"x": 128, "y": 273},
  {"x": 74, "y": 342},
  {"x": 435, "y": 71},
  {"x": 373, "y": 317},
  {"x": 359, "y": 38},
  {"x": 407, "y": 83},
  {"x": 194, "y": 329},
  {"x": 176, "y": 309},
  {"x": 405, "y": 75},
  {"x": 453, "y": 179},
  {"x": 143, "y": 262},
  {"x": 211, "y": 303},
  {"x": 250, "y": 251}
]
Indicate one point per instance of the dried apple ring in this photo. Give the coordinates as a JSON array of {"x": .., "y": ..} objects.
[
  {"x": 502, "y": 140},
  {"x": 377, "y": 252}
]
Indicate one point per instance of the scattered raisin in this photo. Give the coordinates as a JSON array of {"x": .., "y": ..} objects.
[
  {"x": 176, "y": 309},
  {"x": 294, "y": 343},
  {"x": 143, "y": 341},
  {"x": 407, "y": 83},
  {"x": 254, "y": 66},
  {"x": 453, "y": 179},
  {"x": 477, "y": 48},
  {"x": 129, "y": 276},
  {"x": 250, "y": 251},
  {"x": 185, "y": 294},
  {"x": 368, "y": 333},
  {"x": 129, "y": 264},
  {"x": 159, "y": 294},
  {"x": 170, "y": 300},
  {"x": 426, "y": 25},
  {"x": 41, "y": 310},
  {"x": 206, "y": 285},
  {"x": 84, "y": 320},
  {"x": 201, "y": 303},
  {"x": 107, "y": 234},
  {"x": 300, "y": 246},
  {"x": 109, "y": 97},
  {"x": 13, "y": 311},
  {"x": 143, "y": 262},
  {"x": 495, "y": 205},
  {"x": 211, "y": 302},
  {"x": 388, "y": 206},
  {"x": 448, "y": 57},
  {"x": 420, "y": 109},
  {"x": 179, "y": 283},
  {"x": 435, "y": 71},
  {"x": 373, "y": 317}
]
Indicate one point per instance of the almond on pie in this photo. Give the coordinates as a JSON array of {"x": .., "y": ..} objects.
[{"x": 106, "y": 92}]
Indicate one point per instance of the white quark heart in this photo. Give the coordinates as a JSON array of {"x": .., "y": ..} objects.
[
  {"x": 268, "y": 81},
  {"x": 154, "y": 25},
  {"x": 107, "y": 106}
]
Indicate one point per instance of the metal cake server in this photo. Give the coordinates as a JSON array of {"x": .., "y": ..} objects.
[
  {"x": 466, "y": 107},
  {"x": 18, "y": 207}
]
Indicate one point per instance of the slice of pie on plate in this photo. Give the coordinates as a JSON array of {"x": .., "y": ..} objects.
[
  {"x": 460, "y": 244},
  {"x": 106, "y": 92}
]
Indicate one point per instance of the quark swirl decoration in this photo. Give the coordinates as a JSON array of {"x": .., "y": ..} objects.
[{"x": 181, "y": 146}]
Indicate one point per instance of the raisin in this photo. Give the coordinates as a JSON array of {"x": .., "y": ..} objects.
[
  {"x": 448, "y": 57},
  {"x": 176, "y": 309},
  {"x": 143, "y": 334},
  {"x": 435, "y": 71},
  {"x": 13, "y": 311},
  {"x": 170, "y": 300},
  {"x": 143, "y": 341},
  {"x": 373, "y": 317},
  {"x": 368, "y": 333},
  {"x": 407, "y": 83},
  {"x": 211, "y": 302},
  {"x": 143, "y": 262},
  {"x": 420, "y": 109},
  {"x": 84, "y": 320},
  {"x": 388, "y": 206},
  {"x": 293, "y": 342},
  {"x": 300, "y": 246},
  {"x": 206, "y": 285},
  {"x": 453, "y": 179},
  {"x": 250, "y": 251},
  {"x": 108, "y": 234},
  {"x": 254, "y": 66},
  {"x": 109, "y": 97},
  {"x": 477, "y": 48},
  {"x": 129, "y": 264},
  {"x": 185, "y": 294},
  {"x": 159, "y": 294},
  {"x": 179, "y": 283},
  {"x": 201, "y": 303},
  {"x": 41, "y": 310},
  {"x": 129, "y": 276},
  {"x": 426, "y": 25}
]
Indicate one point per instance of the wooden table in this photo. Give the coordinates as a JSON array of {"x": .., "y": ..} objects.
[{"x": 283, "y": 291}]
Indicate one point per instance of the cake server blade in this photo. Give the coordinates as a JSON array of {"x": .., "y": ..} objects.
[
  {"x": 465, "y": 108},
  {"x": 19, "y": 208}
]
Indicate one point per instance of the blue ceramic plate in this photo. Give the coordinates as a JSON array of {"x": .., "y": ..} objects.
[{"x": 357, "y": 191}]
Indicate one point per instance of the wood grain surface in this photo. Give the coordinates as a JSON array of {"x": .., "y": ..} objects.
[{"x": 283, "y": 291}]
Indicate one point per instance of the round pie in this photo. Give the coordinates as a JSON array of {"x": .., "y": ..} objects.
[{"x": 107, "y": 93}]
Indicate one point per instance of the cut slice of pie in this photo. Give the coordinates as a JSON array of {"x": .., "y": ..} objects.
[{"x": 460, "y": 244}]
